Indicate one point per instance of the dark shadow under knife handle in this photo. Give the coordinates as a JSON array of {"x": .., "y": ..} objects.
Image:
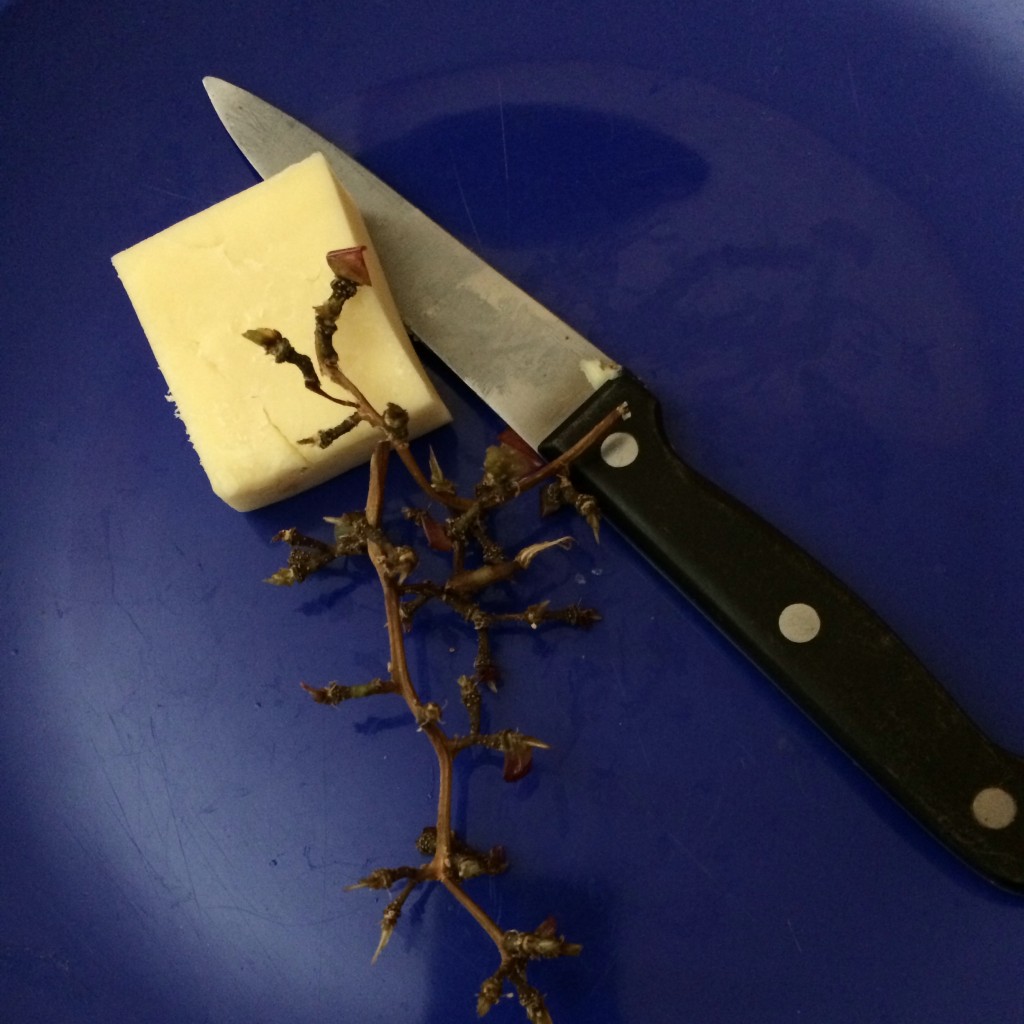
[{"x": 809, "y": 633}]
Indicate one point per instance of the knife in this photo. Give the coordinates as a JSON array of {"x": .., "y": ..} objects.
[{"x": 819, "y": 642}]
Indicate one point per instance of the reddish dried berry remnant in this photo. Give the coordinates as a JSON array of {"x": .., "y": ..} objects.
[{"x": 350, "y": 263}]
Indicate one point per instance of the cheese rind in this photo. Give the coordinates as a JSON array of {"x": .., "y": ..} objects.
[{"x": 257, "y": 259}]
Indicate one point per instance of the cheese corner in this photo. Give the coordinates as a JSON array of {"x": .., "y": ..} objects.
[{"x": 257, "y": 259}]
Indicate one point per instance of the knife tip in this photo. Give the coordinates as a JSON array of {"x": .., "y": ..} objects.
[{"x": 212, "y": 84}]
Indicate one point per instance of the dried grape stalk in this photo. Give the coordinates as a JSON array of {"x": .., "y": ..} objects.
[{"x": 476, "y": 564}]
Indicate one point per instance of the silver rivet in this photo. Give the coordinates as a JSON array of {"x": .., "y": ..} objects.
[
  {"x": 619, "y": 449},
  {"x": 799, "y": 623},
  {"x": 994, "y": 808}
]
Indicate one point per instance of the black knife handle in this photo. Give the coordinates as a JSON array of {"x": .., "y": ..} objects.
[{"x": 809, "y": 633}]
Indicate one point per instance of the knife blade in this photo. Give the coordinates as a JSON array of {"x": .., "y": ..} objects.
[{"x": 808, "y": 632}]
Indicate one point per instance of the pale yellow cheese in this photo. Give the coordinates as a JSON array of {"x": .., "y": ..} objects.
[{"x": 257, "y": 260}]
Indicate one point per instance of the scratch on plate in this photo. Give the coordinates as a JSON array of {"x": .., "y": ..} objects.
[
  {"x": 170, "y": 192},
  {"x": 186, "y": 862},
  {"x": 855, "y": 97},
  {"x": 703, "y": 868},
  {"x": 792, "y": 932},
  {"x": 176, "y": 823},
  {"x": 853, "y": 87},
  {"x": 121, "y": 815},
  {"x": 465, "y": 201},
  {"x": 646, "y": 754},
  {"x": 112, "y": 562},
  {"x": 504, "y": 137},
  {"x": 504, "y": 157}
]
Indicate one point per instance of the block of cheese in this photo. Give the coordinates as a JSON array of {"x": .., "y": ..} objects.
[{"x": 255, "y": 260}]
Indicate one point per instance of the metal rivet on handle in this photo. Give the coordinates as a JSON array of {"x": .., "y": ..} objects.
[
  {"x": 994, "y": 808},
  {"x": 799, "y": 623},
  {"x": 619, "y": 449}
]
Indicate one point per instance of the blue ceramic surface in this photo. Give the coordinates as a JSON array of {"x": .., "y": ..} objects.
[{"x": 801, "y": 225}]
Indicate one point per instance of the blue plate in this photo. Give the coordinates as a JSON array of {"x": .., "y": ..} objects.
[{"x": 801, "y": 225}]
